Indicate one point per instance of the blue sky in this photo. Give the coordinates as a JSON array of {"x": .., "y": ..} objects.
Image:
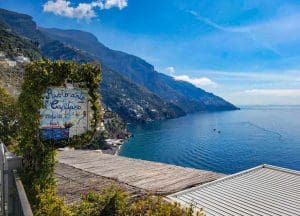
[{"x": 245, "y": 51}]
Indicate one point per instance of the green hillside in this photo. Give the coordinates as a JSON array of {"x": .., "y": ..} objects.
[{"x": 13, "y": 45}]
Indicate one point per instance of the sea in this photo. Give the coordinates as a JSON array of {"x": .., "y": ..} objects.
[{"x": 226, "y": 142}]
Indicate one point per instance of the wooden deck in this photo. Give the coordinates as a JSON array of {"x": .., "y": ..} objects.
[
  {"x": 83, "y": 170},
  {"x": 73, "y": 182}
]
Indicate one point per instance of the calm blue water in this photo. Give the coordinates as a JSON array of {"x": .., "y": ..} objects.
[{"x": 247, "y": 138}]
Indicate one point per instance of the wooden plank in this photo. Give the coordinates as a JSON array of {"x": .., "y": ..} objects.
[
  {"x": 71, "y": 188},
  {"x": 149, "y": 176}
]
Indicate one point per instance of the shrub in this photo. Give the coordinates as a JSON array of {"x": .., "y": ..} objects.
[
  {"x": 51, "y": 205},
  {"x": 156, "y": 206},
  {"x": 9, "y": 118},
  {"x": 110, "y": 201},
  {"x": 115, "y": 202}
]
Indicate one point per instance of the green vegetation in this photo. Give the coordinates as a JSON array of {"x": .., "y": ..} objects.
[
  {"x": 19, "y": 35},
  {"x": 39, "y": 154},
  {"x": 11, "y": 78},
  {"x": 50, "y": 204},
  {"x": 13, "y": 45},
  {"x": 8, "y": 117},
  {"x": 115, "y": 127},
  {"x": 57, "y": 50},
  {"x": 113, "y": 201},
  {"x": 132, "y": 102}
]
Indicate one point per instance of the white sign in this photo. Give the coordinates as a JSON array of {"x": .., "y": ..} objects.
[{"x": 65, "y": 113}]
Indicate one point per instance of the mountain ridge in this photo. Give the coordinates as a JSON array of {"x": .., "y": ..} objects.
[
  {"x": 143, "y": 94},
  {"x": 131, "y": 101},
  {"x": 183, "y": 94}
]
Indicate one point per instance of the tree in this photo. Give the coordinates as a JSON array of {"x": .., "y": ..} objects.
[
  {"x": 9, "y": 115},
  {"x": 38, "y": 153}
]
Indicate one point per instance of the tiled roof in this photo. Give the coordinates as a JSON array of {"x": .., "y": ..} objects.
[{"x": 263, "y": 190}]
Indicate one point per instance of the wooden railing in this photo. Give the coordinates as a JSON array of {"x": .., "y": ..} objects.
[{"x": 13, "y": 198}]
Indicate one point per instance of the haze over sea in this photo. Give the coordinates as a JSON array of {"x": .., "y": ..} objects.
[{"x": 247, "y": 138}]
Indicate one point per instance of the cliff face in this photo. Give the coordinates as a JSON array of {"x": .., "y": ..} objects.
[
  {"x": 15, "y": 52},
  {"x": 182, "y": 94},
  {"x": 131, "y": 101},
  {"x": 12, "y": 45},
  {"x": 131, "y": 87},
  {"x": 23, "y": 25}
]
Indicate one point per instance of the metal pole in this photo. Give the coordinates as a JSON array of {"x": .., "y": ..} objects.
[
  {"x": 4, "y": 181},
  {"x": 2, "y": 210}
]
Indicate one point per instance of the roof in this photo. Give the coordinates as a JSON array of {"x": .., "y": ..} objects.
[
  {"x": 263, "y": 190},
  {"x": 156, "y": 178}
]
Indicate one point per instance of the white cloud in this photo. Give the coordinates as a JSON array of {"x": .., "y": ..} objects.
[
  {"x": 198, "y": 82},
  {"x": 292, "y": 75},
  {"x": 115, "y": 3},
  {"x": 170, "y": 70},
  {"x": 274, "y": 92},
  {"x": 264, "y": 96},
  {"x": 82, "y": 10},
  {"x": 209, "y": 22},
  {"x": 269, "y": 34}
]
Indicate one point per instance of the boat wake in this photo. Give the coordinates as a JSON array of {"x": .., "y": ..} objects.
[{"x": 280, "y": 137}]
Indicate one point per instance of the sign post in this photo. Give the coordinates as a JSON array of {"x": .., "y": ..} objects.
[{"x": 65, "y": 113}]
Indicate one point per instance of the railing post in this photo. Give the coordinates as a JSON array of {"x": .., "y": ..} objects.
[
  {"x": 13, "y": 163},
  {"x": 13, "y": 198},
  {"x": 2, "y": 199},
  {"x": 24, "y": 205}
]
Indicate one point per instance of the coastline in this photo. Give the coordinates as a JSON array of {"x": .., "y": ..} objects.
[
  {"x": 118, "y": 149},
  {"x": 113, "y": 146},
  {"x": 195, "y": 141}
]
